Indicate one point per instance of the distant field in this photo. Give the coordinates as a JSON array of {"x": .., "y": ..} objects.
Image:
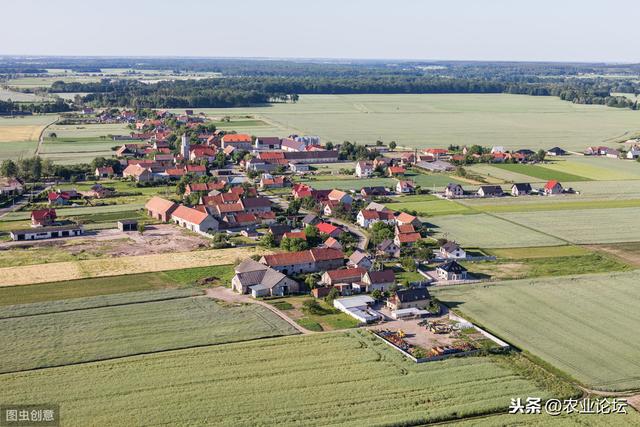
[
  {"x": 34, "y": 82},
  {"x": 583, "y": 226},
  {"x": 421, "y": 121},
  {"x": 81, "y": 143},
  {"x": 539, "y": 172},
  {"x": 83, "y": 335},
  {"x": 83, "y": 288},
  {"x": 22, "y": 128},
  {"x": 349, "y": 379},
  {"x": 7, "y": 94},
  {"x": 599, "y": 169},
  {"x": 587, "y": 326},
  {"x": 486, "y": 231},
  {"x": 427, "y": 181},
  {"x": 556, "y": 203}
]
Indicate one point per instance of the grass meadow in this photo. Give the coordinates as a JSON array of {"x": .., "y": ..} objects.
[
  {"x": 427, "y": 205},
  {"x": 345, "y": 378},
  {"x": 432, "y": 120},
  {"x": 586, "y": 326},
  {"x": 539, "y": 172},
  {"x": 99, "y": 333},
  {"x": 81, "y": 143}
]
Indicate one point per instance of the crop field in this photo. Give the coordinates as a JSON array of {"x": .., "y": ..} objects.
[
  {"x": 357, "y": 380},
  {"x": 586, "y": 326},
  {"x": 583, "y": 226},
  {"x": 23, "y": 128},
  {"x": 632, "y": 418},
  {"x": 486, "y": 231},
  {"x": 77, "y": 144},
  {"x": 540, "y": 172},
  {"x": 99, "y": 286},
  {"x": 71, "y": 270},
  {"x": 325, "y": 183},
  {"x": 539, "y": 252},
  {"x": 427, "y": 205},
  {"x": 599, "y": 169},
  {"x": 8, "y": 94},
  {"x": 440, "y": 120},
  {"x": 555, "y": 203},
  {"x": 105, "y": 332},
  {"x": 495, "y": 175}
]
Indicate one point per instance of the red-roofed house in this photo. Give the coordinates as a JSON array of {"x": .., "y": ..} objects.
[
  {"x": 58, "y": 199},
  {"x": 344, "y": 275},
  {"x": 309, "y": 261},
  {"x": 405, "y": 218},
  {"x": 396, "y": 171},
  {"x": 295, "y": 235},
  {"x": 197, "y": 170},
  {"x": 194, "y": 220},
  {"x": 552, "y": 187},
  {"x": 43, "y": 217},
  {"x": 329, "y": 229},
  {"x": 105, "y": 172},
  {"x": 160, "y": 209},
  {"x": 239, "y": 141}
]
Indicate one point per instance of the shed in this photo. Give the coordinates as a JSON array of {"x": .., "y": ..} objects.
[{"x": 128, "y": 225}]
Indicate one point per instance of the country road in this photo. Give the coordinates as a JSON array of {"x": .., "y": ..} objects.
[{"x": 41, "y": 138}]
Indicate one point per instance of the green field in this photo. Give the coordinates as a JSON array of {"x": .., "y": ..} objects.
[
  {"x": 586, "y": 326},
  {"x": 535, "y": 204},
  {"x": 135, "y": 327},
  {"x": 583, "y": 226},
  {"x": 81, "y": 143},
  {"x": 421, "y": 121},
  {"x": 339, "y": 378},
  {"x": 596, "y": 168},
  {"x": 427, "y": 205},
  {"x": 540, "y": 252},
  {"x": 539, "y": 172},
  {"x": 632, "y": 418},
  {"x": 82, "y": 288},
  {"x": 486, "y": 231}
]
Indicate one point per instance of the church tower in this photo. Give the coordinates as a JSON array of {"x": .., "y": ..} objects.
[{"x": 184, "y": 147}]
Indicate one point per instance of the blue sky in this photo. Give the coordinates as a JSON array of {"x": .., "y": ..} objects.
[{"x": 558, "y": 30}]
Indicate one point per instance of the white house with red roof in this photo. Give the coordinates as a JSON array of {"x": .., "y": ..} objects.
[
  {"x": 553, "y": 187},
  {"x": 194, "y": 220}
]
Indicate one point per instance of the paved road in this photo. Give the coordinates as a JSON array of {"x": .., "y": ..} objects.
[{"x": 22, "y": 200}]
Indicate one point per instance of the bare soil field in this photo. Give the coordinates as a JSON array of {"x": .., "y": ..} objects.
[
  {"x": 628, "y": 252},
  {"x": 70, "y": 270}
]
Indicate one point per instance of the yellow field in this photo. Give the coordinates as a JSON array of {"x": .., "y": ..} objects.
[
  {"x": 23, "y": 128},
  {"x": 55, "y": 272}
]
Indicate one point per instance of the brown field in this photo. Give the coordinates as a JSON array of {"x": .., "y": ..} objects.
[
  {"x": 628, "y": 252},
  {"x": 55, "y": 272}
]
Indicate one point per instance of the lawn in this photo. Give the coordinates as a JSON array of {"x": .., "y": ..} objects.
[
  {"x": 540, "y": 172},
  {"x": 82, "y": 288},
  {"x": 486, "y": 231},
  {"x": 586, "y": 326},
  {"x": 349, "y": 379},
  {"x": 438, "y": 120},
  {"x": 324, "y": 318},
  {"x": 84, "y": 335},
  {"x": 583, "y": 226}
]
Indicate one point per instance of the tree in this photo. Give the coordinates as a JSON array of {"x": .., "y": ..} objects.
[
  {"x": 392, "y": 145},
  {"x": 332, "y": 295},
  {"x": 53, "y": 135},
  {"x": 381, "y": 231},
  {"x": 9, "y": 168},
  {"x": 294, "y": 244},
  {"x": 268, "y": 240},
  {"x": 140, "y": 227},
  {"x": 408, "y": 263},
  {"x": 329, "y": 145},
  {"x": 313, "y": 235},
  {"x": 376, "y": 294},
  {"x": 540, "y": 155},
  {"x": 311, "y": 280}
]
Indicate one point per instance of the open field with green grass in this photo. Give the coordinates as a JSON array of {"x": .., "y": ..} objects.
[
  {"x": 487, "y": 231},
  {"x": 539, "y": 172},
  {"x": 440, "y": 120},
  {"x": 596, "y": 168},
  {"x": 539, "y": 252},
  {"x": 323, "y": 317},
  {"x": 99, "y": 333},
  {"x": 555, "y": 203},
  {"x": 583, "y": 226},
  {"x": 338, "y": 378},
  {"x": 81, "y": 143},
  {"x": 427, "y": 205},
  {"x": 350, "y": 182},
  {"x": 82, "y": 288},
  {"x": 8, "y": 94},
  {"x": 586, "y": 326},
  {"x": 19, "y": 135},
  {"x": 495, "y": 175}
]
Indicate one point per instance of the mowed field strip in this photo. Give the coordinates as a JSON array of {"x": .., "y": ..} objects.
[
  {"x": 59, "y": 271},
  {"x": 344, "y": 378},
  {"x": 586, "y": 326},
  {"x": 136, "y": 326},
  {"x": 436, "y": 120}
]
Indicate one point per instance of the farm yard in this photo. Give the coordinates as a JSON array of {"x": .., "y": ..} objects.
[
  {"x": 353, "y": 364},
  {"x": 586, "y": 326},
  {"x": 100, "y": 332}
]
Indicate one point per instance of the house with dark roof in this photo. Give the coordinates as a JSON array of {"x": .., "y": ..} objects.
[
  {"x": 452, "y": 191},
  {"x": 409, "y": 298},
  {"x": 521, "y": 189},
  {"x": 360, "y": 259},
  {"x": 556, "y": 151},
  {"x": 452, "y": 250},
  {"x": 267, "y": 143},
  {"x": 310, "y": 219},
  {"x": 490, "y": 191},
  {"x": 388, "y": 249},
  {"x": 451, "y": 270}
]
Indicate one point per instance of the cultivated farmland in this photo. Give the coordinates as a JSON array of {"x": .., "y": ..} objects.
[
  {"x": 483, "y": 230},
  {"x": 104, "y": 332},
  {"x": 440, "y": 120},
  {"x": 600, "y": 169},
  {"x": 539, "y": 172},
  {"x": 583, "y": 226},
  {"x": 427, "y": 205},
  {"x": 586, "y": 326},
  {"x": 343, "y": 378}
]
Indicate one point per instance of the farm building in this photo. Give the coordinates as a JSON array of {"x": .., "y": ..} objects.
[
  {"x": 46, "y": 232},
  {"x": 261, "y": 280},
  {"x": 451, "y": 270},
  {"x": 332, "y": 243},
  {"x": 358, "y": 307},
  {"x": 267, "y": 143},
  {"x": 128, "y": 225},
  {"x": 366, "y": 218},
  {"x": 344, "y": 275},
  {"x": 160, "y": 209},
  {"x": 194, "y": 220},
  {"x": 409, "y": 298},
  {"x": 309, "y": 261},
  {"x": 105, "y": 172},
  {"x": 521, "y": 189},
  {"x": 552, "y": 187}
]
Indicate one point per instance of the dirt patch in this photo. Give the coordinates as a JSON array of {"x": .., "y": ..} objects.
[
  {"x": 634, "y": 401},
  {"x": 627, "y": 252}
]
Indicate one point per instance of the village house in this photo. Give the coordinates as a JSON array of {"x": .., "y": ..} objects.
[
  {"x": 278, "y": 230},
  {"x": 332, "y": 243},
  {"x": 58, "y": 199},
  {"x": 633, "y": 153},
  {"x": 11, "y": 186},
  {"x": 409, "y": 298},
  {"x": 451, "y": 270},
  {"x": 298, "y": 168},
  {"x": 452, "y": 250},
  {"x": 239, "y": 141},
  {"x": 105, "y": 172},
  {"x": 98, "y": 191},
  {"x": 521, "y": 189},
  {"x": 329, "y": 229},
  {"x": 256, "y": 204},
  {"x": 160, "y": 209},
  {"x": 194, "y": 220},
  {"x": 552, "y": 187},
  {"x": 310, "y": 219},
  {"x": 43, "y": 217},
  {"x": 359, "y": 259},
  {"x": 375, "y": 206},
  {"x": 269, "y": 181},
  {"x": 295, "y": 235},
  {"x": 388, "y": 249},
  {"x": 368, "y": 192},
  {"x": 343, "y": 275},
  {"x": 405, "y": 187},
  {"x": 291, "y": 145},
  {"x": 309, "y": 261},
  {"x": 366, "y": 218},
  {"x": 405, "y": 218},
  {"x": 267, "y": 143},
  {"x": 364, "y": 169},
  {"x": 138, "y": 173},
  {"x": 452, "y": 191},
  {"x": 612, "y": 153},
  {"x": 320, "y": 156},
  {"x": 261, "y": 280},
  {"x": 406, "y": 239},
  {"x": 490, "y": 191},
  {"x": 378, "y": 280},
  {"x": 556, "y": 151},
  {"x": 394, "y": 171}
]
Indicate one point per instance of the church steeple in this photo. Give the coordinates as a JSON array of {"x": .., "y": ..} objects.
[{"x": 184, "y": 147}]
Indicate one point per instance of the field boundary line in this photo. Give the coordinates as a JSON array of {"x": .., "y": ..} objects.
[{"x": 41, "y": 137}]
